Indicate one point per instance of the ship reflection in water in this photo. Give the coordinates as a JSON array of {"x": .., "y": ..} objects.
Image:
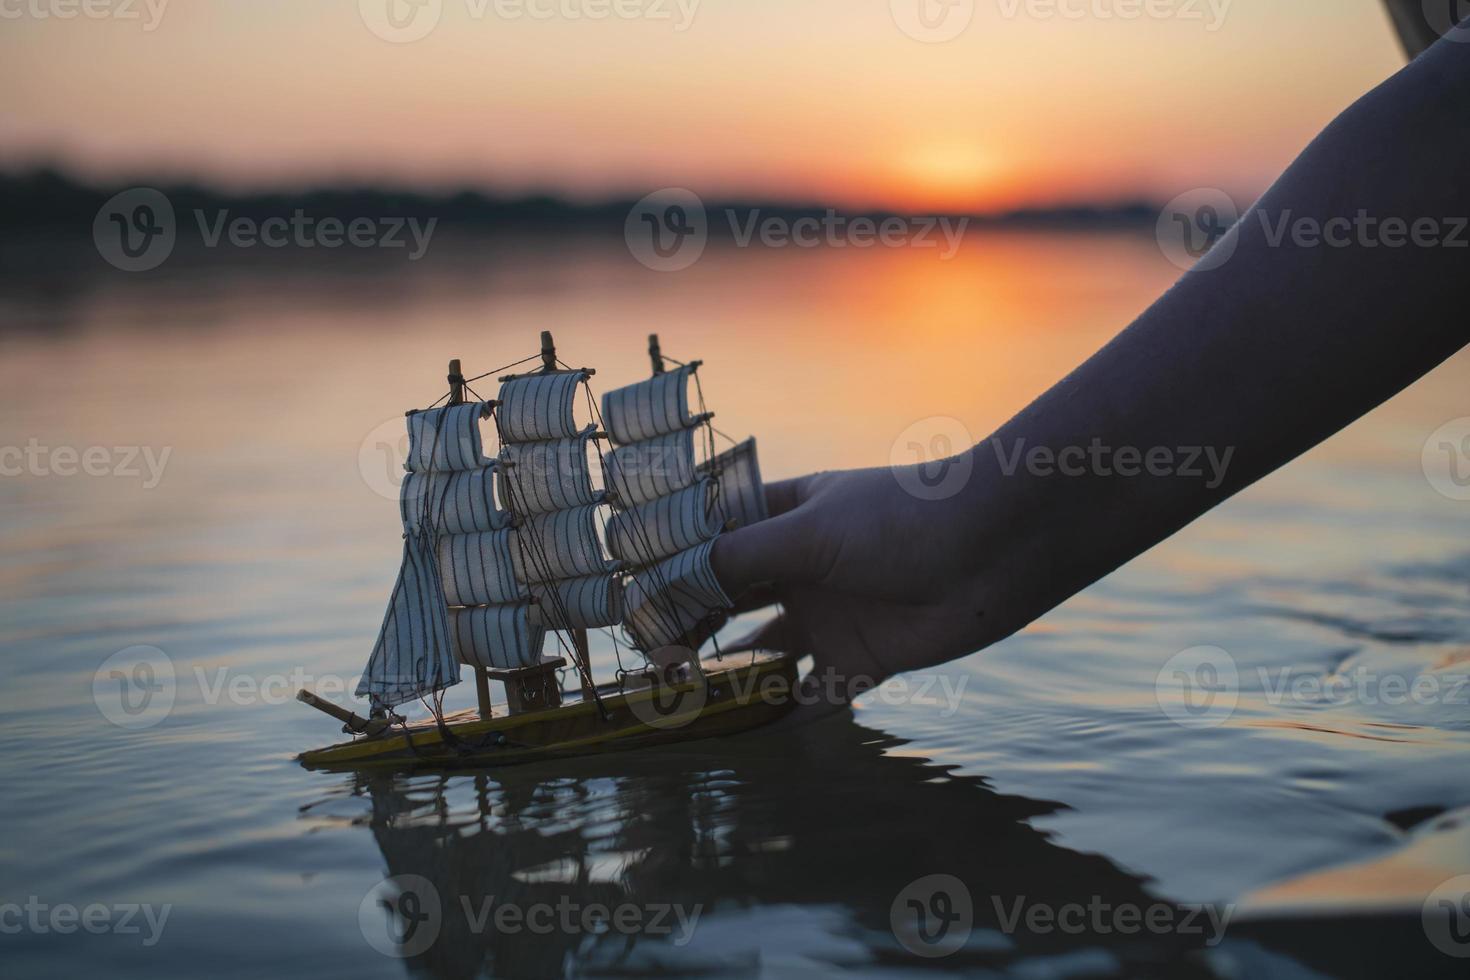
[
  {"x": 267, "y": 545},
  {"x": 768, "y": 853},
  {"x": 787, "y": 852},
  {"x": 694, "y": 859}
]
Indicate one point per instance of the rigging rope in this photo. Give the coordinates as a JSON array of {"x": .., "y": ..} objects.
[
  {"x": 564, "y": 616},
  {"x": 661, "y": 587}
]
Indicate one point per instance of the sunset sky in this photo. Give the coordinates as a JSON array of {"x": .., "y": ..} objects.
[{"x": 821, "y": 100}]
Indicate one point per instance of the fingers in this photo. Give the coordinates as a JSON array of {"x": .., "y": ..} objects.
[
  {"x": 809, "y": 701},
  {"x": 770, "y": 551},
  {"x": 774, "y": 550},
  {"x": 784, "y": 495},
  {"x": 758, "y": 596}
]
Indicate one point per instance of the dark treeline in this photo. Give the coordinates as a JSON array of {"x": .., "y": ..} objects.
[{"x": 51, "y": 201}]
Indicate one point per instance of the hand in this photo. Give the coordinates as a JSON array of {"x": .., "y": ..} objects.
[{"x": 874, "y": 581}]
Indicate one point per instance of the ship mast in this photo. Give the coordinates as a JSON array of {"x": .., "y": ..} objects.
[
  {"x": 547, "y": 488},
  {"x": 482, "y": 679},
  {"x": 580, "y": 648}
]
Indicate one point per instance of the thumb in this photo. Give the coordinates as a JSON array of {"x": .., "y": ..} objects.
[{"x": 775, "y": 550}]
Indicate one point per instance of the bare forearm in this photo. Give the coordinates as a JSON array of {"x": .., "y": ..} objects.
[{"x": 1256, "y": 360}]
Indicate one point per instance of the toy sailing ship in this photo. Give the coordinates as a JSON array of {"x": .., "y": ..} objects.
[{"x": 510, "y": 561}]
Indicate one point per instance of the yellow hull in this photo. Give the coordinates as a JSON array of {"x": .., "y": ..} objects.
[{"x": 737, "y": 694}]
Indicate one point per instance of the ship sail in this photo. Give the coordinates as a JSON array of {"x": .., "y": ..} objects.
[
  {"x": 445, "y": 487},
  {"x": 668, "y": 510},
  {"x": 499, "y": 550},
  {"x": 738, "y": 473},
  {"x": 546, "y": 483}
]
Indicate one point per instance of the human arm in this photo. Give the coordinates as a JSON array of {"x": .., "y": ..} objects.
[{"x": 1263, "y": 357}]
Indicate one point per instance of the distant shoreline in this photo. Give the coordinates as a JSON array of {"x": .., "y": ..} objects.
[{"x": 57, "y": 204}]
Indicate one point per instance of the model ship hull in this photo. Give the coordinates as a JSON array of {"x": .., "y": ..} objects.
[{"x": 742, "y": 692}]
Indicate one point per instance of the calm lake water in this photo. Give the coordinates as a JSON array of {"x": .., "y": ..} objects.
[{"x": 1288, "y": 822}]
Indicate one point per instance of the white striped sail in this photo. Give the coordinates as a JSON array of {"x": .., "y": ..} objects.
[
  {"x": 414, "y": 655},
  {"x": 668, "y": 510},
  {"x": 665, "y": 526},
  {"x": 546, "y": 483},
  {"x": 538, "y": 407},
  {"x": 562, "y": 544},
  {"x": 649, "y": 408},
  {"x": 677, "y": 601},
  {"x": 742, "y": 494},
  {"x": 446, "y": 438},
  {"x": 578, "y": 603},
  {"x": 496, "y": 637},
  {"x": 642, "y": 471},
  {"x": 479, "y": 569},
  {"x": 456, "y": 503},
  {"x": 539, "y": 477}
]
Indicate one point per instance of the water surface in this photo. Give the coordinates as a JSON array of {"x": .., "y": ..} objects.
[{"x": 1042, "y": 772}]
